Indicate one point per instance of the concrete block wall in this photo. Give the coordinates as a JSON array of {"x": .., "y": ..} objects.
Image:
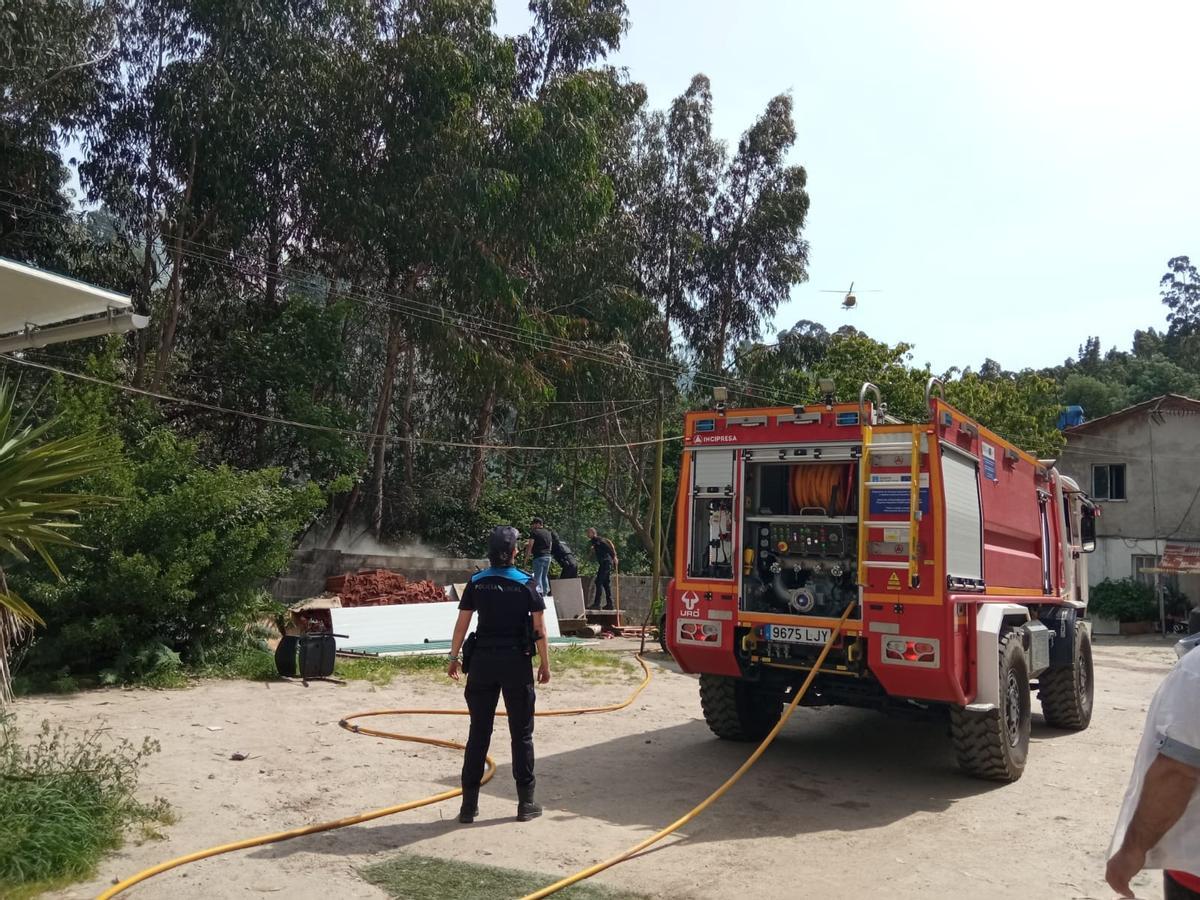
[{"x": 635, "y": 595}]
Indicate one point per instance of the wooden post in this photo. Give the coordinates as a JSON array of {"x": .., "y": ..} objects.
[{"x": 617, "y": 593}]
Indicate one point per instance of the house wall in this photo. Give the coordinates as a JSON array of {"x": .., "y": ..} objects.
[{"x": 1166, "y": 493}]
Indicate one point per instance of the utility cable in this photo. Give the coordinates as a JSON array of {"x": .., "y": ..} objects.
[
  {"x": 438, "y": 314},
  {"x": 328, "y": 429},
  {"x": 279, "y": 836}
]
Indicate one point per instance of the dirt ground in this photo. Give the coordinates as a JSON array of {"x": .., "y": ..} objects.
[{"x": 847, "y": 803}]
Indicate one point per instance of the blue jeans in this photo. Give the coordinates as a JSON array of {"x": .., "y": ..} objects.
[{"x": 541, "y": 574}]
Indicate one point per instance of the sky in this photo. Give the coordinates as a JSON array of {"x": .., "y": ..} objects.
[{"x": 1010, "y": 178}]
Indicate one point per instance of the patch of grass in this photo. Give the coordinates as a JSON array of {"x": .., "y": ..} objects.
[
  {"x": 381, "y": 670},
  {"x": 249, "y": 663},
  {"x": 64, "y": 803},
  {"x": 414, "y": 877}
]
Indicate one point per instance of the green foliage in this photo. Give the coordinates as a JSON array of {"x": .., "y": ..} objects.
[
  {"x": 1180, "y": 288},
  {"x": 37, "y": 512},
  {"x": 382, "y": 670},
  {"x": 413, "y": 877},
  {"x": 1125, "y": 600},
  {"x": 65, "y": 802},
  {"x": 173, "y": 571}
]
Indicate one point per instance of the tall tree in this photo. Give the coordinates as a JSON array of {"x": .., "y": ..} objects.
[
  {"x": 52, "y": 56},
  {"x": 757, "y": 252},
  {"x": 1180, "y": 289},
  {"x": 568, "y": 36}
]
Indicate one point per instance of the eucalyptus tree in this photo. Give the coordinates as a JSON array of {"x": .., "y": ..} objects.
[
  {"x": 756, "y": 250},
  {"x": 53, "y": 54}
]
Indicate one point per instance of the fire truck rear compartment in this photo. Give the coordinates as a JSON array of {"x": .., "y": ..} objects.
[{"x": 800, "y": 538}]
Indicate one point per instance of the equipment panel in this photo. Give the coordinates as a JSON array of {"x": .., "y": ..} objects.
[{"x": 821, "y": 540}]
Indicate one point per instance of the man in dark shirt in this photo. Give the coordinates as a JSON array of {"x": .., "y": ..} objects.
[
  {"x": 510, "y": 611},
  {"x": 606, "y": 558},
  {"x": 564, "y": 557},
  {"x": 539, "y": 547}
]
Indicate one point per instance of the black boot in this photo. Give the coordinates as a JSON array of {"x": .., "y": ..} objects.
[
  {"x": 527, "y": 807},
  {"x": 470, "y": 805},
  {"x": 609, "y": 606}
]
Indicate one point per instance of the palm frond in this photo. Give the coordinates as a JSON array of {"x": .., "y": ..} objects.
[{"x": 38, "y": 511}]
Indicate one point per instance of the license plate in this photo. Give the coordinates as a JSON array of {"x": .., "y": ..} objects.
[{"x": 796, "y": 634}]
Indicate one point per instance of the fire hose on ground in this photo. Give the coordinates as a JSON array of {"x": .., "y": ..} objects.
[{"x": 637, "y": 848}]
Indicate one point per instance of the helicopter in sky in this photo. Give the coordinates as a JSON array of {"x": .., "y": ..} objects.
[{"x": 850, "y": 299}]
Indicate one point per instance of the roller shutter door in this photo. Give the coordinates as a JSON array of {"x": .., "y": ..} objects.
[{"x": 964, "y": 525}]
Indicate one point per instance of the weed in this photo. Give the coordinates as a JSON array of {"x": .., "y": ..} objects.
[
  {"x": 416, "y": 877},
  {"x": 64, "y": 803},
  {"x": 381, "y": 670}
]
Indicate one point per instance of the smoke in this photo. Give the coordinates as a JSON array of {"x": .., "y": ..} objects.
[{"x": 364, "y": 543}]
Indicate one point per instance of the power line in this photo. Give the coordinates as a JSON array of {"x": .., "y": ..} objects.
[
  {"x": 328, "y": 429},
  {"x": 438, "y": 314},
  {"x": 227, "y": 257},
  {"x": 604, "y": 415}
]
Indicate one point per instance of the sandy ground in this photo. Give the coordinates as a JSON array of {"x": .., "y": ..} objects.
[{"x": 847, "y": 803}]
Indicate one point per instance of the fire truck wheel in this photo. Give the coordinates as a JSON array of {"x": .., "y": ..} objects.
[
  {"x": 1066, "y": 693},
  {"x": 738, "y": 710},
  {"x": 662, "y": 634},
  {"x": 995, "y": 744}
]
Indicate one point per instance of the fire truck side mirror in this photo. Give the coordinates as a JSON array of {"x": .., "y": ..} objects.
[{"x": 1087, "y": 529}]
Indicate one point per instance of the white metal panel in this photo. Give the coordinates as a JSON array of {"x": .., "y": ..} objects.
[
  {"x": 988, "y": 623},
  {"x": 964, "y": 526},
  {"x": 713, "y": 469},
  {"x": 33, "y": 296},
  {"x": 407, "y": 623}
]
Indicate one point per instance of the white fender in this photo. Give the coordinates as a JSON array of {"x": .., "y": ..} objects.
[{"x": 989, "y": 622}]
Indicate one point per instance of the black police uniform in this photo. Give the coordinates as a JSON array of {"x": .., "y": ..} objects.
[
  {"x": 602, "y": 582},
  {"x": 503, "y": 599},
  {"x": 564, "y": 557}
]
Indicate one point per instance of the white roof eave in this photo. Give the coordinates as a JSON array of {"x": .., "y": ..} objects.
[{"x": 30, "y": 296}]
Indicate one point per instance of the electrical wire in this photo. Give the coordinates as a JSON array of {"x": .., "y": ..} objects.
[
  {"x": 329, "y": 429},
  {"x": 604, "y": 415},
  {"x": 439, "y": 314}
]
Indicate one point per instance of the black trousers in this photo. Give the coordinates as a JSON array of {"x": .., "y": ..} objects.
[
  {"x": 493, "y": 674},
  {"x": 603, "y": 580},
  {"x": 1173, "y": 890}
]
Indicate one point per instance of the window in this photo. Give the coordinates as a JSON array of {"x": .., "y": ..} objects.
[{"x": 1108, "y": 481}]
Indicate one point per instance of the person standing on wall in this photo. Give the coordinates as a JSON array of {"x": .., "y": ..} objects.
[
  {"x": 511, "y": 626},
  {"x": 1159, "y": 823},
  {"x": 539, "y": 547},
  {"x": 606, "y": 558}
]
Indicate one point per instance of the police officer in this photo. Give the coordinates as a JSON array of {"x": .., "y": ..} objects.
[
  {"x": 564, "y": 557},
  {"x": 511, "y": 625},
  {"x": 606, "y": 558}
]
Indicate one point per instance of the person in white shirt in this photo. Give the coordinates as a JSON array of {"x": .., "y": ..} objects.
[{"x": 1159, "y": 824}]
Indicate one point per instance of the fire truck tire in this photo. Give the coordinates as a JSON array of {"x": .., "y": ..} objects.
[
  {"x": 738, "y": 710},
  {"x": 995, "y": 744},
  {"x": 662, "y": 634},
  {"x": 1067, "y": 693}
]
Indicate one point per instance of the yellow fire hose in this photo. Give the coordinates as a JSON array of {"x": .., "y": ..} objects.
[
  {"x": 375, "y": 813},
  {"x": 715, "y": 795},
  {"x": 491, "y": 770}
]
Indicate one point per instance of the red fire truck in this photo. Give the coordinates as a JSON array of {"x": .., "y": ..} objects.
[{"x": 963, "y": 554}]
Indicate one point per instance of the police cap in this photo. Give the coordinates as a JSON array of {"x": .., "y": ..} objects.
[{"x": 502, "y": 542}]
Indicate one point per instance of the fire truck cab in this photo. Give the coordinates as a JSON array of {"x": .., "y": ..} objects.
[{"x": 964, "y": 557}]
